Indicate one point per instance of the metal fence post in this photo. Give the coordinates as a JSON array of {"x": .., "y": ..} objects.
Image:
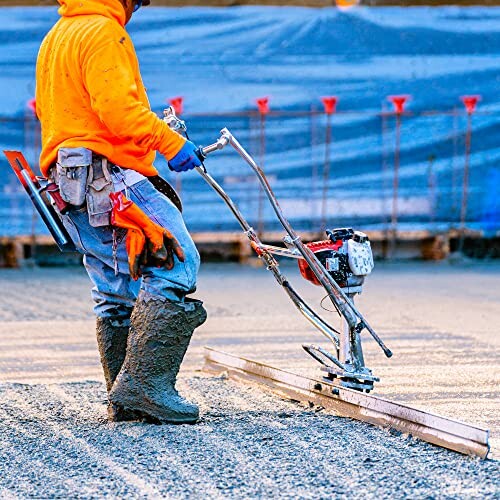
[
  {"x": 454, "y": 169},
  {"x": 470, "y": 103},
  {"x": 314, "y": 171},
  {"x": 32, "y": 143},
  {"x": 398, "y": 102},
  {"x": 178, "y": 104},
  {"x": 329, "y": 105},
  {"x": 263, "y": 106},
  {"x": 384, "y": 188}
]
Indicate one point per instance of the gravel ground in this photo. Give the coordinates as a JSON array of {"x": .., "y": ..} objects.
[
  {"x": 249, "y": 444},
  {"x": 439, "y": 320}
]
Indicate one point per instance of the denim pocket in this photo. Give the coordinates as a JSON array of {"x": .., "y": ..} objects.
[
  {"x": 73, "y": 231},
  {"x": 144, "y": 204}
]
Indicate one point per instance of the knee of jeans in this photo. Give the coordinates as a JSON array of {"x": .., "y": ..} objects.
[
  {"x": 115, "y": 311},
  {"x": 176, "y": 282}
]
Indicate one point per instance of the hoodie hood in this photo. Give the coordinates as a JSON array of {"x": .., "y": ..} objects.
[{"x": 112, "y": 9}]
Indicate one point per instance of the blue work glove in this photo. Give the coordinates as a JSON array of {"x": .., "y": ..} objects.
[{"x": 185, "y": 159}]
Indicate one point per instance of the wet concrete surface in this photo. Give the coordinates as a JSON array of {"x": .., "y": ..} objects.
[{"x": 440, "y": 320}]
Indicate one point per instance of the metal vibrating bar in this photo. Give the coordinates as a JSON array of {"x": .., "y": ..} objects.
[{"x": 440, "y": 431}]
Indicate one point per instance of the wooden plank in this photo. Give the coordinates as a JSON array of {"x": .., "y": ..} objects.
[
  {"x": 441, "y": 431},
  {"x": 235, "y": 244}
]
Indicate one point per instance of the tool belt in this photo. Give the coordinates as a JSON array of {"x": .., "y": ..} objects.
[
  {"x": 164, "y": 187},
  {"x": 84, "y": 178}
]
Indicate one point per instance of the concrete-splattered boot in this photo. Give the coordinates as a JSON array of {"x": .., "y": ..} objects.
[
  {"x": 159, "y": 336},
  {"x": 112, "y": 336}
]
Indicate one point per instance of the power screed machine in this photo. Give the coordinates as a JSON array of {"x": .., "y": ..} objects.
[{"x": 339, "y": 264}]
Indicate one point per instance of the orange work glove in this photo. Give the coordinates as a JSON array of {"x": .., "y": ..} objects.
[{"x": 147, "y": 242}]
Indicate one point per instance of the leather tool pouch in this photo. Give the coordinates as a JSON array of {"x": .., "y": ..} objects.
[
  {"x": 71, "y": 174},
  {"x": 99, "y": 187}
]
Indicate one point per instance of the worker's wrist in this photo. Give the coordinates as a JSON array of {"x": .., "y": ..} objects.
[
  {"x": 175, "y": 144},
  {"x": 186, "y": 159}
]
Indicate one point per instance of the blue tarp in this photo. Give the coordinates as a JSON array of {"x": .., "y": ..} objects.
[{"x": 221, "y": 59}]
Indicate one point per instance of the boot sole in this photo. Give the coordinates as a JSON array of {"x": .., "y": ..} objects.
[
  {"x": 156, "y": 421},
  {"x": 121, "y": 415},
  {"x": 150, "y": 415}
]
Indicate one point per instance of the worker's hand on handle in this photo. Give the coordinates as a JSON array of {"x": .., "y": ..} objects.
[{"x": 186, "y": 159}]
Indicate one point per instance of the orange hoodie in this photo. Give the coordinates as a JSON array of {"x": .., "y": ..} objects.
[{"x": 90, "y": 93}]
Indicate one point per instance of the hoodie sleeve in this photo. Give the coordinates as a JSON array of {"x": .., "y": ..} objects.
[{"x": 110, "y": 80}]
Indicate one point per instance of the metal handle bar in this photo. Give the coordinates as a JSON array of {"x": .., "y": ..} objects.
[
  {"x": 221, "y": 143},
  {"x": 305, "y": 310},
  {"x": 335, "y": 293},
  {"x": 337, "y": 296}
]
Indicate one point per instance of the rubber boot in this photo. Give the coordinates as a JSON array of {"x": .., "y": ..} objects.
[
  {"x": 112, "y": 336},
  {"x": 159, "y": 336}
]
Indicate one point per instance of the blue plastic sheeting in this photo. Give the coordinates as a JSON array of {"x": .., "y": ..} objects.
[{"x": 220, "y": 60}]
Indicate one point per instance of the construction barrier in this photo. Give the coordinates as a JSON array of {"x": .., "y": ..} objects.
[
  {"x": 393, "y": 169},
  {"x": 367, "y": 117}
]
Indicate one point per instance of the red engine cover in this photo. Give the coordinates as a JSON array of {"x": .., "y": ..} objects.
[{"x": 316, "y": 246}]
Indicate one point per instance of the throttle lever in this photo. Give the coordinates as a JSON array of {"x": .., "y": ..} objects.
[{"x": 172, "y": 120}]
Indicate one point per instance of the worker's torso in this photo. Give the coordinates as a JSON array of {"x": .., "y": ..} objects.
[{"x": 63, "y": 102}]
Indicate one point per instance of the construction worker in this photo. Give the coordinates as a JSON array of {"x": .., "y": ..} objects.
[{"x": 99, "y": 140}]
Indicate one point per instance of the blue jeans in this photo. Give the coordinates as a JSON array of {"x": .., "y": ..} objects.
[{"x": 114, "y": 292}]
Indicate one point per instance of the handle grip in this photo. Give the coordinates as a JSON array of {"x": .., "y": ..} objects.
[{"x": 221, "y": 143}]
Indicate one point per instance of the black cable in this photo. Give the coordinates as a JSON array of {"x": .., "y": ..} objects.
[
  {"x": 328, "y": 296},
  {"x": 199, "y": 156}
]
